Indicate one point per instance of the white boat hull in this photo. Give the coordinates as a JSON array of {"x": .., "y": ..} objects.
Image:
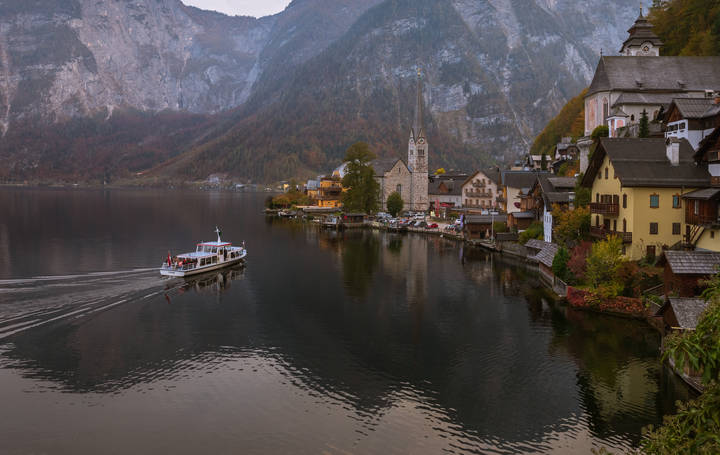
[{"x": 205, "y": 268}]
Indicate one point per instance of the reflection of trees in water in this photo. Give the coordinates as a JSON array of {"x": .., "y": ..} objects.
[
  {"x": 360, "y": 258},
  {"x": 622, "y": 384}
]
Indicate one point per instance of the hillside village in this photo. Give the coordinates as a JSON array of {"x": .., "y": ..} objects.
[{"x": 645, "y": 178}]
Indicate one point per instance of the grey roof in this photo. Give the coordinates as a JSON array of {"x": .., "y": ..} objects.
[
  {"x": 693, "y": 262},
  {"x": 383, "y": 165},
  {"x": 707, "y": 144},
  {"x": 696, "y": 108},
  {"x": 562, "y": 182},
  {"x": 687, "y": 311},
  {"x": 616, "y": 111},
  {"x": 552, "y": 194},
  {"x": 519, "y": 179},
  {"x": 536, "y": 243},
  {"x": 523, "y": 215},
  {"x": 633, "y": 73},
  {"x": 546, "y": 255},
  {"x": 644, "y": 163},
  {"x": 491, "y": 173},
  {"x": 454, "y": 188},
  {"x": 641, "y": 32},
  {"x": 650, "y": 99},
  {"x": 704, "y": 194},
  {"x": 485, "y": 219}
]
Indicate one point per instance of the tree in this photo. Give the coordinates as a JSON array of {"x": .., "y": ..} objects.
[
  {"x": 543, "y": 162},
  {"x": 644, "y": 128},
  {"x": 560, "y": 264},
  {"x": 440, "y": 171},
  {"x": 395, "y": 203},
  {"x": 363, "y": 191},
  {"x": 600, "y": 131},
  {"x": 603, "y": 264},
  {"x": 696, "y": 427},
  {"x": 571, "y": 225},
  {"x": 534, "y": 231}
]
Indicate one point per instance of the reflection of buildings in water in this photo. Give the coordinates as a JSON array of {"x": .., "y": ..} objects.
[{"x": 5, "y": 259}]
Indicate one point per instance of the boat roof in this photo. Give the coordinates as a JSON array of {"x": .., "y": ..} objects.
[{"x": 215, "y": 243}]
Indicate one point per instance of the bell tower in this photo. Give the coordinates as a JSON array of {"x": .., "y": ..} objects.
[{"x": 418, "y": 154}]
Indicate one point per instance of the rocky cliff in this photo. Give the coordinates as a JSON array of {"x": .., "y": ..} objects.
[{"x": 296, "y": 88}]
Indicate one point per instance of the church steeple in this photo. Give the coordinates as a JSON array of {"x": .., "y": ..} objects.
[
  {"x": 642, "y": 40},
  {"x": 417, "y": 147},
  {"x": 418, "y": 129}
]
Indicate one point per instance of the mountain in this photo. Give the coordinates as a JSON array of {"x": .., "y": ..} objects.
[{"x": 284, "y": 95}]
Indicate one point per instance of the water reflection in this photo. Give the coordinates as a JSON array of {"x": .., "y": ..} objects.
[{"x": 406, "y": 343}]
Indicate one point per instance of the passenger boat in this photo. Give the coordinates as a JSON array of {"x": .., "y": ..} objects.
[{"x": 207, "y": 256}]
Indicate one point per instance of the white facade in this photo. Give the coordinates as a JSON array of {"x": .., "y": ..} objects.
[
  {"x": 547, "y": 225},
  {"x": 679, "y": 129}
]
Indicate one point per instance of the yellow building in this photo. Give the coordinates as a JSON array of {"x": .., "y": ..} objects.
[
  {"x": 329, "y": 193},
  {"x": 637, "y": 188}
]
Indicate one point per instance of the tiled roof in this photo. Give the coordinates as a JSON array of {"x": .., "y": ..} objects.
[
  {"x": 693, "y": 262},
  {"x": 454, "y": 188},
  {"x": 644, "y": 163},
  {"x": 523, "y": 215},
  {"x": 485, "y": 219},
  {"x": 680, "y": 74},
  {"x": 648, "y": 98},
  {"x": 687, "y": 311},
  {"x": 704, "y": 194},
  {"x": 562, "y": 182},
  {"x": 519, "y": 179},
  {"x": 547, "y": 254},
  {"x": 383, "y": 165},
  {"x": 695, "y": 108},
  {"x": 536, "y": 244}
]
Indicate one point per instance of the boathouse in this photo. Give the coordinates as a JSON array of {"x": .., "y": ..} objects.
[
  {"x": 685, "y": 271},
  {"x": 679, "y": 313}
]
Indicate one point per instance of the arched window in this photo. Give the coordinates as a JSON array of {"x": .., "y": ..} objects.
[
  {"x": 624, "y": 201},
  {"x": 624, "y": 225},
  {"x": 632, "y": 117},
  {"x": 398, "y": 189},
  {"x": 606, "y": 110}
]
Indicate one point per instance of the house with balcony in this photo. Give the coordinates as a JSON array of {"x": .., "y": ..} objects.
[
  {"x": 482, "y": 191},
  {"x": 637, "y": 188},
  {"x": 692, "y": 118},
  {"x": 515, "y": 184},
  {"x": 328, "y": 193}
]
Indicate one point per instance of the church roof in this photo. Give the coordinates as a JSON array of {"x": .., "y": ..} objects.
[
  {"x": 418, "y": 126},
  {"x": 382, "y": 166},
  {"x": 669, "y": 74},
  {"x": 641, "y": 32}
]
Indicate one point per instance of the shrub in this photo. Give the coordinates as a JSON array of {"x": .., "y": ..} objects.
[
  {"x": 534, "y": 231},
  {"x": 600, "y": 131},
  {"x": 603, "y": 263},
  {"x": 578, "y": 261},
  {"x": 395, "y": 203},
  {"x": 560, "y": 264},
  {"x": 500, "y": 227}
]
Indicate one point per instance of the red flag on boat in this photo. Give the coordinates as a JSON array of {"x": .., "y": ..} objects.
[{"x": 169, "y": 261}]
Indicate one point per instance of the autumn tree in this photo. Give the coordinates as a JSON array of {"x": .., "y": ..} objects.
[
  {"x": 603, "y": 263},
  {"x": 571, "y": 226},
  {"x": 363, "y": 191}
]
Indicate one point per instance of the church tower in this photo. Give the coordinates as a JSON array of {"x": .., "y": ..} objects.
[
  {"x": 642, "y": 40},
  {"x": 418, "y": 155}
]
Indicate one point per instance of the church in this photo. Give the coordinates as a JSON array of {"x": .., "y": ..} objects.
[
  {"x": 411, "y": 179},
  {"x": 640, "y": 79}
]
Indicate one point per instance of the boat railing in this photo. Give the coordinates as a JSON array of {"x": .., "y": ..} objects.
[{"x": 179, "y": 267}]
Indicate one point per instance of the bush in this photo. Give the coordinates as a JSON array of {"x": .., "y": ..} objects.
[
  {"x": 603, "y": 263},
  {"x": 578, "y": 261},
  {"x": 571, "y": 225},
  {"x": 499, "y": 227},
  {"x": 534, "y": 231},
  {"x": 600, "y": 131}
]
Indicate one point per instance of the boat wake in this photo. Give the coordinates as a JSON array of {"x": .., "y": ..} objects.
[{"x": 33, "y": 302}]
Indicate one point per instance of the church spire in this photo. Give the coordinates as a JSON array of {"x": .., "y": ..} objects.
[{"x": 418, "y": 128}]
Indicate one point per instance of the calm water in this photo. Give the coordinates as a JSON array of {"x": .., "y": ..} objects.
[{"x": 323, "y": 343}]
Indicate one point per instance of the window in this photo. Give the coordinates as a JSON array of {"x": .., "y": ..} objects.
[
  {"x": 597, "y": 220},
  {"x": 676, "y": 201},
  {"x": 606, "y": 173},
  {"x": 696, "y": 208},
  {"x": 653, "y": 228},
  {"x": 712, "y": 234},
  {"x": 624, "y": 201},
  {"x": 597, "y": 197},
  {"x": 676, "y": 228},
  {"x": 650, "y": 252},
  {"x": 615, "y": 225},
  {"x": 654, "y": 201},
  {"x": 398, "y": 189},
  {"x": 624, "y": 225}
]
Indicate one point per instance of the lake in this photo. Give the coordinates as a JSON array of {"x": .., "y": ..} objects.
[{"x": 358, "y": 342}]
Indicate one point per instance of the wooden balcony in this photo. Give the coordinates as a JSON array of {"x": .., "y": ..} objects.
[
  {"x": 483, "y": 194},
  {"x": 602, "y": 233},
  {"x": 604, "y": 208}
]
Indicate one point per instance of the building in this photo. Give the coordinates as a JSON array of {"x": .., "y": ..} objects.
[
  {"x": 637, "y": 188},
  {"x": 640, "y": 79},
  {"x": 682, "y": 313},
  {"x": 329, "y": 193},
  {"x": 692, "y": 118},
  {"x": 514, "y": 184},
  {"x": 685, "y": 271},
  {"x": 552, "y": 193},
  {"x": 482, "y": 190},
  {"x": 702, "y": 207},
  {"x": 411, "y": 179},
  {"x": 477, "y": 227},
  {"x": 445, "y": 194}
]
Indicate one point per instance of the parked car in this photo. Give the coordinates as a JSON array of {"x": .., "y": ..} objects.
[{"x": 432, "y": 226}]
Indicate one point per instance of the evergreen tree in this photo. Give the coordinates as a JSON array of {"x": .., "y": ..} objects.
[
  {"x": 644, "y": 125},
  {"x": 395, "y": 203},
  {"x": 543, "y": 162},
  {"x": 363, "y": 191}
]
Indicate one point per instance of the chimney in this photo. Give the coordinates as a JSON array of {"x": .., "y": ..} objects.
[{"x": 672, "y": 150}]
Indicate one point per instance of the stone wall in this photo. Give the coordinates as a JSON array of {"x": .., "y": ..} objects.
[{"x": 398, "y": 175}]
